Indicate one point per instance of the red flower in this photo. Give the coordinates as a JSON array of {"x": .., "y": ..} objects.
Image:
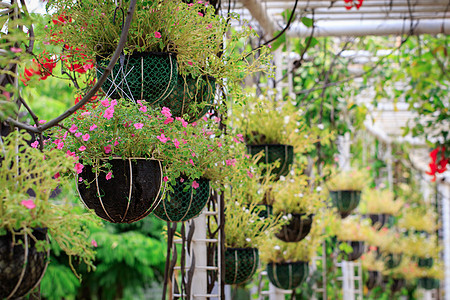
[{"x": 435, "y": 166}]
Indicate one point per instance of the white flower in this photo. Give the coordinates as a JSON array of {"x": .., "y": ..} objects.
[
  {"x": 286, "y": 119},
  {"x": 277, "y": 247},
  {"x": 248, "y": 240},
  {"x": 282, "y": 178},
  {"x": 320, "y": 126},
  {"x": 296, "y": 130},
  {"x": 289, "y": 216},
  {"x": 319, "y": 188},
  {"x": 285, "y": 217},
  {"x": 237, "y": 203}
]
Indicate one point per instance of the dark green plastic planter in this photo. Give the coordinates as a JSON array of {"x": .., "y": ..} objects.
[
  {"x": 272, "y": 153},
  {"x": 182, "y": 205},
  {"x": 358, "y": 248},
  {"x": 381, "y": 220},
  {"x": 297, "y": 229},
  {"x": 149, "y": 76},
  {"x": 345, "y": 201},
  {"x": 425, "y": 262},
  {"x": 393, "y": 260},
  {"x": 14, "y": 260},
  {"x": 428, "y": 283},
  {"x": 240, "y": 264},
  {"x": 288, "y": 276},
  {"x": 189, "y": 91}
]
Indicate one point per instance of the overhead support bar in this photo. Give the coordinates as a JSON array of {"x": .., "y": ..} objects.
[{"x": 371, "y": 27}]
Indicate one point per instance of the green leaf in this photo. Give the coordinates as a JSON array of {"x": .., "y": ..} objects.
[
  {"x": 307, "y": 22},
  {"x": 279, "y": 41}
]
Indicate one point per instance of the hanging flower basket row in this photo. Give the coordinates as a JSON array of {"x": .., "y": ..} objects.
[{"x": 288, "y": 276}]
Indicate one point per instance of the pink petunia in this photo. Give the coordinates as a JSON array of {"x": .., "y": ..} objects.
[
  {"x": 240, "y": 137},
  {"x": 73, "y": 128},
  {"x": 93, "y": 126},
  {"x": 82, "y": 148},
  {"x": 176, "y": 143},
  {"x": 138, "y": 125},
  {"x": 116, "y": 143},
  {"x": 166, "y": 112},
  {"x": 162, "y": 138},
  {"x": 195, "y": 185},
  {"x": 205, "y": 118},
  {"x": 65, "y": 136},
  {"x": 78, "y": 134},
  {"x": 193, "y": 124},
  {"x": 190, "y": 63},
  {"x": 86, "y": 137},
  {"x": 165, "y": 178},
  {"x": 28, "y": 203},
  {"x": 15, "y": 49},
  {"x": 168, "y": 120},
  {"x": 113, "y": 102},
  {"x": 60, "y": 145},
  {"x": 69, "y": 153},
  {"x": 157, "y": 35},
  {"x": 105, "y": 103},
  {"x": 109, "y": 112},
  {"x": 94, "y": 243},
  {"x": 86, "y": 113},
  {"x": 143, "y": 108},
  {"x": 35, "y": 144},
  {"x": 200, "y": 14},
  {"x": 250, "y": 174},
  {"x": 79, "y": 168},
  {"x": 107, "y": 149},
  {"x": 181, "y": 179},
  {"x": 42, "y": 121},
  {"x": 219, "y": 144},
  {"x": 191, "y": 162},
  {"x": 209, "y": 26},
  {"x": 109, "y": 176},
  {"x": 231, "y": 162},
  {"x": 191, "y": 4}
]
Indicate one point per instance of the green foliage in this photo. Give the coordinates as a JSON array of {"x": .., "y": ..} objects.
[
  {"x": 353, "y": 180},
  {"x": 380, "y": 202},
  {"x": 59, "y": 282}
]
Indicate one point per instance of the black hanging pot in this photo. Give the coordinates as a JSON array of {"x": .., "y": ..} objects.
[
  {"x": 393, "y": 260},
  {"x": 358, "y": 249},
  {"x": 425, "y": 262},
  {"x": 240, "y": 264},
  {"x": 21, "y": 265},
  {"x": 375, "y": 279},
  {"x": 428, "y": 283},
  {"x": 288, "y": 276},
  {"x": 272, "y": 153},
  {"x": 189, "y": 91},
  {"x": 297, "y": 229},
  {"x": 345, "y": 201},
  {"x": 380, "y": 220},
  {"x": 182, "y": 205},
  {"x": 149, "y": 76},
  {"x": 133, "y": 193}
]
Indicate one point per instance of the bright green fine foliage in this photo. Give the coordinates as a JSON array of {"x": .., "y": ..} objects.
[
  {"x": 59, "y": 282},
  {"x": 24, "y": 168},
  {"x": 421, "y": 218},
  {"x": 352, "y": 229},
  {"x": 380, "y": 202},
  {"x": 353, "y": 180}
]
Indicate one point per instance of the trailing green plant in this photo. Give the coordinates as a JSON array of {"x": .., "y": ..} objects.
[
  {"x": 370, "y": 262},
  {"x": 407, "y": 269},
  {"x": 353, "y": 180},
  {"x": 274, "y": 250},
  {"x": 352, "y": 229},
  {"x": 25, "y": 169},
  {"x": 422, "y": 246},
  {"x": 419, "y": 218},
  {"x": 377, "y": 201},
  {"x": 386, "y": 240}
]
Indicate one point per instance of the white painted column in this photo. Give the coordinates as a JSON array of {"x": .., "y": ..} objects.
[
  {"x": 276, "y": 293},
  {"x": 199, "y": 280},
  {"x": 444, "y": 193},
  {"x": 344, "y": 151}
]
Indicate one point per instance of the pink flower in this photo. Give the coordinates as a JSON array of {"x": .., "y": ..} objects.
[
  {"x": 78, "y": 134},
  {"x": 219, "y": 144},
  {"x": 116, "y": 143},
  {"x": 35, "y": 144},
  {"x": 165, "y": 178},
  {"x": 200, "y": 14},
  {"x": 241, "y": 137},
  {"x": 191, "y": 4},
  {"x": 94, "y": 243},
  {"x": 168, "y": 120},
  {"x": 191, "y": 162},
  {"x": 195, "y": 185},
  {"x": 28, "y": 203},
  {"x": 181, "y": 179},
  {"x": 109, "y": 112},
  {"x": 143, "y": 108},
  {"x": 15, "y": 49},
  {"x": 86, "y": 113},
  {"x": 166, "y": 112},
  {"x": 60, "y": 145},
  {"x": 42, "y": 121},
  {"x": 73, "y": 128},
  {"x": 65, "y": 136},
  {"x": 113, "y": 102},
  {"x": 107, "y": 149},
  {"x": 205, "y": 118},
  {"x": 162, "y": 138},
  {"x": 86, "y": 137},
  {"x": 190, "y": 63},
  {"x": 138, "y": 125},
  {"x": 57, "y": 175},
  {"x": 209, "y": 26},
  {"x": 80, "y": 179},
  {"x": 216, "y": 119},
  {"x": 250, "y": 174},
  {"x": 157, "y": 35},
  {"x": 176, "y": 143},
  {"x": 92, "y": 127},
  {"x": 79, "y": 168},
  {"x": 210, "y": 150},
  {"x": 69, "y": 153},
  {"x": 194, "y": 124},
  {"x": 109, "y": 176},
  {"x": 231, "y": 162},
  {"x": 270, "y": 46},
  {"x": 82, "y": 148},
  {"x": 105, "y": 102}
]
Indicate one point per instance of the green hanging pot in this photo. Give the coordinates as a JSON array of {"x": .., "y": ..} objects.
[
  {"x": 358, "y": 249},
  {"x": 272, "y": 153},
  {"x": 150, "y": 76},
  {"x": 188, "y": 93},
  {"x": 288, "y": 276},
  {"x": 425, "y": 262},
  {"x": 240, "y": 264},
  {"x": 297, "y": 229},
  {"x": 428, "y": 283},
  {"x": 393, "y": 260},
  {"x": 185, "y": 202},
  {"x": 381, "y": 220},
  {"x": 21, "y": 265},
  {"x": 345, "y": 201}
]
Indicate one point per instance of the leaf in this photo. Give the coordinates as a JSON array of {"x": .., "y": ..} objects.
[
  {"x": 307, "y": 22},
  {"x": 279, "y": 41}
]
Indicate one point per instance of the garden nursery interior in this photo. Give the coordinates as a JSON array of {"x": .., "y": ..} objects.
[{"x": 234, "y": 149}]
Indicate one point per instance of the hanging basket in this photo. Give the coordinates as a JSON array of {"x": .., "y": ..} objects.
[
  {"x": 149, "y": 76},
  {"x": 21, "y": 265},
  {"x": 380, "y": 220},
  {"x": 288, "y": 276},
  {"x": 189, "y": 91},
  {"x": 425, "y": 262},
  {"x": 131, "y": 195},
  {"x": 428, "y": 283},
  {"x": 393, "y": 260},
  {"x": 182, "y": 205},
  {"x": 375, "y": 279},
  {"x": 397, "y": 285},
  {"x": 240, "y": 264},
  {"x": 345, "y": 201},
  {"x": 272, "y": 153},
  {"x": 297, "y": 229},
  {"x": 358, "y": 247},
  {"x": 265, "y": 210}
]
